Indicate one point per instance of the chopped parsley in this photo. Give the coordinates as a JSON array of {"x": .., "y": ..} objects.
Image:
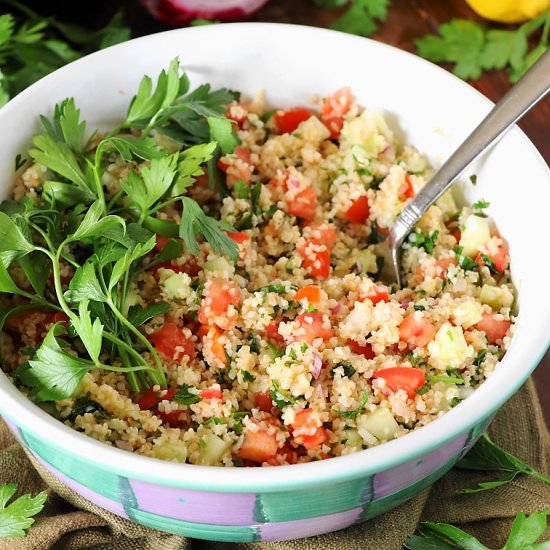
[
  {"x": 280, "y": 397},
  {"x": 347, "y": 367},
  {"x": 358, "y": 410},
  {"x": 425, "y": 241},
  {"x": 184, "y": 395}
]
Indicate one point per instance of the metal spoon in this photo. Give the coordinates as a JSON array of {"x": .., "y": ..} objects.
[{"x": 532, "y": 87}]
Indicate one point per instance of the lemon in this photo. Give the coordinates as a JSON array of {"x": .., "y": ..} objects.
[{"x": 509, "y": 11}]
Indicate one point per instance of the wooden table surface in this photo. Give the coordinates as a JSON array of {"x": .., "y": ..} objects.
[{"x": 406, "y": 21}]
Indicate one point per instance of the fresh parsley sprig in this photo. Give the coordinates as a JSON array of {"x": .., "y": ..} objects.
[
  {"x": 105, "y": 239},
  {"x": 17, "y": 516},
  {"x": 472, "y": 48},
  {"x": 524, "y": 533},
  {"x": 486, "y": 455}
]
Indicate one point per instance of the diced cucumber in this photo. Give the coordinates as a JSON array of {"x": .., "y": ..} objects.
[
  {"x": 449, "y": 348},
  {"x": 353, "y": 439},
  {"x": 476, "y": 233},
  {"x": 177, "y": 285},
  {"x": 220, "y": 264},
  {"x": 169, "y": 451},
  {"x": 380, "y": 423},
  {"x": 213, "y": 450},
  {"x": 468, "y": 313},
  {"x": 496, "y": 296}
]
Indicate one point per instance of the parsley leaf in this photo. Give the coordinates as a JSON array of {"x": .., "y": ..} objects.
[
  {"x": 360, "y": 17},
  {"x": 480, "y": 204},
  {"x": 59, "y": 158},
  {"x": 137, "y": 315},
  {"x": 54, "y": 373},
  {"x": 148, "y": 105},
  {"x": 154, "y": 181},
  {"x": 461, "y": 42},
  {"x": 184, "y": 395},
  {"x": 473, "y": 48},
  {"x": 17, "y": 516},
  {"x": 195, "y": 222},
  {"x": 524, "y": 533},
  {"x": 486, "y": 455}
]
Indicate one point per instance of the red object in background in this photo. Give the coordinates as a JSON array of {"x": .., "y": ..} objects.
[{"x": 181, "y": 12}]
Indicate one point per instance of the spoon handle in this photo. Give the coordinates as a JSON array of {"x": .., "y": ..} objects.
[{"x": 532, "y": 87}]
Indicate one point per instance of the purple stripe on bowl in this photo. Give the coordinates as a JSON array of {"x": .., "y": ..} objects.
[
  {"x": 195, "y": 506},
  {"x": 115, "y": 507},
  {"x": 395, "y": 479},
  {"x": 302, "y": 528}
]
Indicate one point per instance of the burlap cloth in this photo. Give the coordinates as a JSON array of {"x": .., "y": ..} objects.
[{"x": 70, "y": 522}]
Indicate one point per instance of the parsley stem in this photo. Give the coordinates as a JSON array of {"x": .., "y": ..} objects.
[
  {"x": 141, "y": 337},
  {"x": 97, "y": 179},
  {"x": 132, "y": 379},
  {"x": 114, "y": 200},
  {"x": 131, "y": 351},
  {"x": 159, "y": 207},
  {"x": 57, "y": 281}
]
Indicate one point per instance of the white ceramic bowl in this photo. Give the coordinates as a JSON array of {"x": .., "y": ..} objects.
[{"x": 434, "y": 111}]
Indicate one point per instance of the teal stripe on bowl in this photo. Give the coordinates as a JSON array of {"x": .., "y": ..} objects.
[{"x": 328, "y": 499}]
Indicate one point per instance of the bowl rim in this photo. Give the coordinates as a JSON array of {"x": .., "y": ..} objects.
[{"x": 15, "y": 406}]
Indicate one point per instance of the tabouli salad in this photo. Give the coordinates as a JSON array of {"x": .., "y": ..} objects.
[{"x": 201, "y": 283}]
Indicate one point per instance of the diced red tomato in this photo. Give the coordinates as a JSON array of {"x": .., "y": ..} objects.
[
  {"x": 262, "y": 400},
  {"x": 325, "y": 234},
  {"x": 288, "y": 120},
  {"x": 237, "y": 112},
  {"x": 212, "y": 393},
  {"x": 214, "y": 335},
  {"x": 161, "y": 242},
  {"x": 242, "y": 172},
  {"x": 258, "y": 446},
  {"x": 217, "y": 298},
  {"x": 60, "y": 317},
  {"x": 379, "y": 296},
  {"x": 495, "y": 329},
  {"x": 500, "y": 258},
  {"x": 174, "y": 419},
  {"x": 169, "y": 338},
  {"x": 304, "y": 421},
  {"x": 416, "y": 332},
  {"x": 303, "y": 205},
  {"x": 243, "y": 242},
  {"x": 287, "y": 453},
  {"x": 239, "y": 237},
  {"x": 365, "y": 350},
  {"x": 359, "y": 210},
  {"x": 272, "y": 331},
  {"x": 409, "y": 191},
  {"x": 316, "y": 262},
  {"x": 151, "y": 398},
  {"x": 334, "y": 109},
  {"x": 311, "y": 293},
  {"x": 310, "y": 328},
  {"x": 409, "y": 379}
]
